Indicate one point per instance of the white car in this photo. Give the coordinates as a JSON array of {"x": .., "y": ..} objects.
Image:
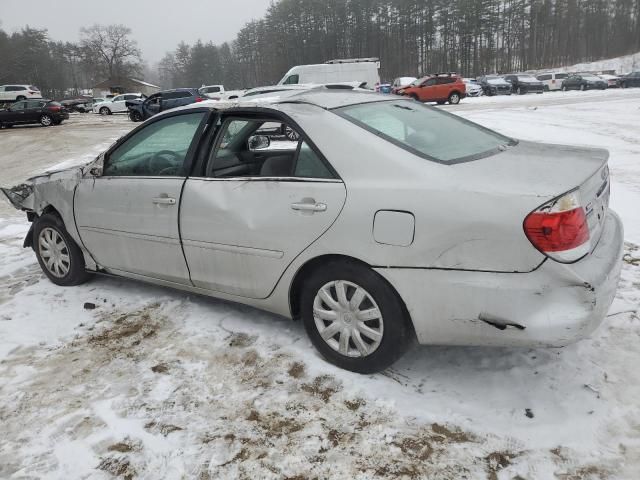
[
  {"x": 212, "y": 92},
  {"x": 12, "y": 93},
  {"x": 387, "y": 222},
  {"x": 613, "y": 81},
  {"x": 402, "y": 82},
  {"x": 117, "y": 104},
  {"x": 552, "y": 80},
  {"x": 473, "y": 87}
]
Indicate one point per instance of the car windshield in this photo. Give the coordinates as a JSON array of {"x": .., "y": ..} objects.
[
  {"x": 527, "y": 78},
  {"x": 593, "y": 78},
  {"x": 495, "y": 80},
  {"x": 425, "y": 131},
  {"x": 419, "y": 81}
]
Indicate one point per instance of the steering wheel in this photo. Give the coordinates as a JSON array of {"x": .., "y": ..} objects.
[{"x": 165, "y": 162}]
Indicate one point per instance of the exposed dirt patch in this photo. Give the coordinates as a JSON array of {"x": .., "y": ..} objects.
[
  {"x": 443, "y": 434},
  {"x": 497, "y": 461},
  {"x": 118, "y": 467},
  {"x": 242, "y": 340},
  {"x": 323, "y": 386},
  {"x": 355, "y": 404},
  {"x": 160, "y": 368},
  {"x": 164, "y": 428},
  {"x": 296, "y": 370},
  {"x": 121, "y": 447}
]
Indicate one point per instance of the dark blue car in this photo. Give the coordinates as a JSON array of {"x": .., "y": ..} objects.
[{"x": 141, "y": 109}]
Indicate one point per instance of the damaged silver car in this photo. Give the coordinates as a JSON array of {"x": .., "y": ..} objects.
[{"x": 386, "y": 221}]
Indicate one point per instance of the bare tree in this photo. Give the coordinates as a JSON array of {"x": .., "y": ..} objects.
[{"x": 112, "y": 49}]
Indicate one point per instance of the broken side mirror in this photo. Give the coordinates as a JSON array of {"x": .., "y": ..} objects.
[
  {"x": 258, "y": 142},
  {"x": 96, "y": 168}
]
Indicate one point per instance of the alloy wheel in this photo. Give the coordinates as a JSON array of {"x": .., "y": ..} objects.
[
  {"x": 348, "y": 319},
  {"x": 54, "y": 252},
  {"x": 46, "y": 120}
]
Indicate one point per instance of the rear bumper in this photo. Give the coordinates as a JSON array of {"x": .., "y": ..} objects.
[{"x": 554, "y": 305}]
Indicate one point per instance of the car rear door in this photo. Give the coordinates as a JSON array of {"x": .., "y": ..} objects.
[
  {"x": 128, "y": 216},
  {"x": 33, "y": 110},
  {"x": 247, "y": 214},
  {"x": 18, "y": 112},
  {"x": 118, "y": 105}
]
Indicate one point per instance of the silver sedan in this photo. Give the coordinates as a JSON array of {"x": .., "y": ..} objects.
[{"x": 386, "y": 221}]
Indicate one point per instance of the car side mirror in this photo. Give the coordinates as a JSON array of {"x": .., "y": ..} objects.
[
  {"x": 97, "y": 168},
  {"x": 258, "y": 142}
]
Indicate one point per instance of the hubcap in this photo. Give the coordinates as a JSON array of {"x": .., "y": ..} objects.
[
  {"x": 46, "y": 120},
  {"x": 54, "y": 252},
  {"x": 348, "y": 319}
]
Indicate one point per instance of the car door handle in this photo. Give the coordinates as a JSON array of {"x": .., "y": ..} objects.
[
  {"x": 164, "y": 201},
  {"x": 309, "y": 207}
]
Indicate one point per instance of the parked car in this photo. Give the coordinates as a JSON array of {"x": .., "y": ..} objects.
[
  {"x": 523, "y": 83},
  {"x": 583, "y": 81},
  {"x": 12, "y": 93},
  {"x": 552, "y": 80},
  {"x": 80, "y": 105},
  {"x": 441, "y": 88},
  {"x": 142, "y": 109},
  {"x": 117, "y": 104},
  {"x": 613, "y": 81},
  {"x": 383, "y": 88},
  {"x": 213, "y": 92},
  {"x": 44, "y": 112},
  {"x": 473, "y": 87},
  {"x": 401, "y": 82},
  {"x": 494, "y": 85},
  {"x": 630, "y": 80},
  {"x": 362, "y": 70},
  {"x": 345, "y": 242}
]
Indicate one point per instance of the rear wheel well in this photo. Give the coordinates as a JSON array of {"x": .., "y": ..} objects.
[{"x": 312, "y": 265}]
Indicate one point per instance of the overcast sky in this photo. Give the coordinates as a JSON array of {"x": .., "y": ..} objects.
[{"x": 158, "y": 25}]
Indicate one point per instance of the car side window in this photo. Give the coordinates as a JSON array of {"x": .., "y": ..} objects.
[
  {"x": 309, "y": 164},
  {"x": 118, "y": 98},
  {"x": 159, "y": 149},
  {"x": 247, "y": 147},
  {"x": 292, "y": 80},
  {"x": 18, "y": 106},
  {"x": 429, "y": 83}
]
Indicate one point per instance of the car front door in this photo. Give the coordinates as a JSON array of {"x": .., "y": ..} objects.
[
  {"x": 248, "y": 213},
  {"x": 18, "y": 112},
  {"x": 127, "y": 217},
  {"x": 151, "y": 106},
  {"x": 427, "y": 90},
  {"x": 118, "y": 104}
]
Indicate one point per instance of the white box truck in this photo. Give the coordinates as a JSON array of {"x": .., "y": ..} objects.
[{"x": 363, "y": 70}]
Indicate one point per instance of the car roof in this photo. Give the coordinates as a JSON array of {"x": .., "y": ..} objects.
[{"x": 321, "y": 97}]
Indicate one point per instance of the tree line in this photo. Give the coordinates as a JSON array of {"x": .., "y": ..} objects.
[
  {"x": 102, "y": 52},
  {"x": 412, "y": 37}
]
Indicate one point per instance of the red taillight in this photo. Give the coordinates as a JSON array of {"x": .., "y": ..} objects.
[
  {"x": 199, "y": 99},
  {"x": 54, "y": 108},
  {"x": 559, "y": 229}
]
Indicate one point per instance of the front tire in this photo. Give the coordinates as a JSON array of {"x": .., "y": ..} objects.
[
  {"x": 46, "y": 120},
  {"x": 58, "y": 254},
  {"x": 454, "y": 98},
  {"x": 135, "y": 116},
  {"x": 104, "y": 111},
  {"x": 354, "y": 318}
]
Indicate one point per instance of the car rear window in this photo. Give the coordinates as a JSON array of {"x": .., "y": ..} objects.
[
  {"x": 426, "y": 131},
  {"x": 31, "y": 87}
]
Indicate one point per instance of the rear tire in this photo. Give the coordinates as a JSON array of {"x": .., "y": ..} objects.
[
  {"x": 135, "y": 116},
  {"x": 58, "y": 254},
  {"x": 369, "y": 334},
  {"x": 104, "y": 111},
  {"x": 46, "y": 120},
  {"x": 454, "y": 98}
]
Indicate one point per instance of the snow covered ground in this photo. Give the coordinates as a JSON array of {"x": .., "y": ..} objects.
[{"x": 157, "y": 384}]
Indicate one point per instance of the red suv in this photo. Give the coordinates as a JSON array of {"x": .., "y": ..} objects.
[{"x": 441, "y": 88}]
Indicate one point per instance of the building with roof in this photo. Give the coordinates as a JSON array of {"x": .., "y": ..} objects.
[{"x": 116, "y": 86}]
